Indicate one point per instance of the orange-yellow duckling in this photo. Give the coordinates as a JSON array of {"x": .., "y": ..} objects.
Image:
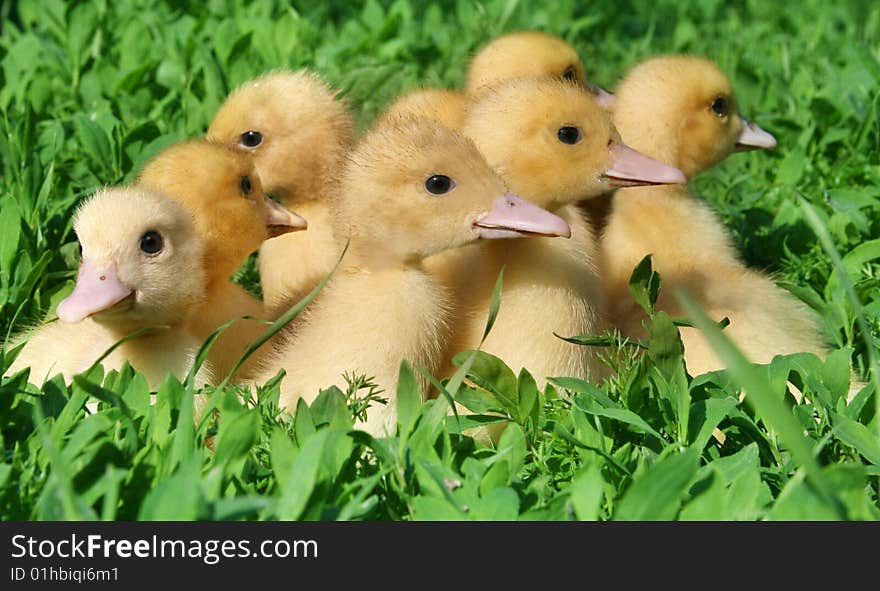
[
  {"x": 233, "y": 217},
  {"x": 298, "y": 131},
  {"x": 141, "y": 267},
  {"x": 553, "y": 144},
  {"x": 412, "y": 189},
  {"x": 683, "y": 110}
]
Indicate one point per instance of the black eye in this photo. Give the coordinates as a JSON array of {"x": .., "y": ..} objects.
[
  {"x": 720, "y": 106},
  {"x": 251, "y": 139},
  {"x": 245, "y": 185},
  {"x": 439, "y": 184},
  {"x": 569, "y": 135},
  {"x": 570, "y": 74},
  {"x": 151, "y": 242}
]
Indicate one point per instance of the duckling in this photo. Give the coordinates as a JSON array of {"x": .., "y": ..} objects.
[
  {"x": 412, "y": 188},
  {"x": 233, "y": 217},
  {"x": 298, "y": 131},
  {"x": 522, "y": 54},
  {"x": 553, "y": 144},
  {"x": 141, "y": 267},
  {"x": 683, "y": 110},
  {"x": 526, "y": 54},
  {"x": 446, "y": 106}
]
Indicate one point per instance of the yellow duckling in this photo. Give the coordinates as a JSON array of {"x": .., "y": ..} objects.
[
  {"x": 412, "y": 189},
  {"x": 683, "y": 110},
  {"x": 446, "y": 106},
  {"x": 524, "y": 54},
  {"x": 141, "y": 267},
  {"x": 555, "y": 145},
  {"x": 233, "y": 217},
  {"x": 527, "y": 54},
  {"x": 299, "y": 132}
]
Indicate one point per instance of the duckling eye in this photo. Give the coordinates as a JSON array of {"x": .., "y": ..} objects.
[
  {"x": 570, "y": 74},
  {"x": 151, "y": 242},
  {"x": 569, "y": 135},
  {"x": 245, "y": 185},
  {"x": 439, "y": 184},
  {"x": 720, "y": 106},
  {"x": 251, "y": 139}
]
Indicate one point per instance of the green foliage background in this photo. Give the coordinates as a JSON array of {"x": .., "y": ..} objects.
[{"x": 90, "y": 90}]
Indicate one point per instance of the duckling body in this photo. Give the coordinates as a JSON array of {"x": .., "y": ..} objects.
[
  {"x": 298, "y": 131},
  {"x": 692, "y": 122},
  {"x": 293, "y": 264},
  {"x": 547, "y": 288},
  {"x": 121, "y": 290},
  {"x": 233, "y": 217},
  {"x": 382, "y": 307},
  {"x": 551, "y": 142},
  {"x": 369, "y": 321},
  {"x": 70, "y": 349}
]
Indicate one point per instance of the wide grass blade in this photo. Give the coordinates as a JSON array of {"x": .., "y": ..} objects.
[{"x": 844, "y": 279}]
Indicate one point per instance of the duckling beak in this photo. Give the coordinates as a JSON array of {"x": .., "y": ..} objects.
[
  {"x": 96, "y": 290},
  {"x": 630, "y": 169},
  {"x": 512, "y": 216},
  {"x": 602, "y": 96},
  {"x": 753, "y": 137},
  {"x": 280, "y": 220}
]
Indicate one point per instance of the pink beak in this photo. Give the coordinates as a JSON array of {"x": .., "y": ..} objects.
[
  {"x": 630, "y": 168},
  {"x": 280, "y": 220},
  {"x": 96, "y": 290},
  {"x": 512, "y": 216},
  {"x": 753, "y": 137}
]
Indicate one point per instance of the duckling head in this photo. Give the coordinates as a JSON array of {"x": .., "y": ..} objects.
[
  {"x": 224, "y": 195},
  {"x": 414, "y": 187},
  {"x": 683, "y": 110},
  {"x": 527, "y": 54},
  {"x": 141, "y": 260},
  {"x": 446, "y": 106},
  {"x": 554, "y": 144},
  {"x": 295, "y": 126}
]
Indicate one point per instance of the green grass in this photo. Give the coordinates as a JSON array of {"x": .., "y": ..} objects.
[{"x": 92, "y": 90}]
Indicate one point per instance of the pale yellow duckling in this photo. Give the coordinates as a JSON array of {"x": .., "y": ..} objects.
[
  {"x": 683, "y": 110},
  {"x": 141, "y": 267},
  {"x": 298, "y": 130},
  {"x": 555, "y": 145},
  {"x": 233, "y": 217},
  {"x": 412, "y": 189}
]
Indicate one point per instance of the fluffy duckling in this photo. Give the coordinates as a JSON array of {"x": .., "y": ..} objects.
[
  {"x": 446, "y": 106},
  {"x": 141, "y": 267},
  {"x": 412, "y": 189},
  {"x": 555, "y": 145},
  {"x": 233, "y": 217},
  {"x": 298, "y": 131},
  {"x": 523, "y": 54},
  {"x": 526, "y": 54},
  {"x": 683, "y": 110}
]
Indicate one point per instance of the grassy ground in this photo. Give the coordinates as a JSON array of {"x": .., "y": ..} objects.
[{"x": 91, "y": 90}]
